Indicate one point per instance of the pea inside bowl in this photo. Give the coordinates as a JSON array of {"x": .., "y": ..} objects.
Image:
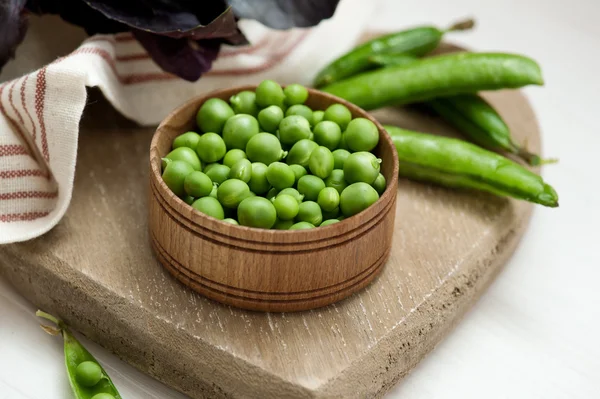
[{"x": 293, "y": 221}]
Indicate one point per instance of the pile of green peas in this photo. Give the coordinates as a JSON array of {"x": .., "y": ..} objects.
[{"x": 266, "y": 160}]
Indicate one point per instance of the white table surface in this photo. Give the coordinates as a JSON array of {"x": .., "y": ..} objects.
[{"x": 535, "y": 333}]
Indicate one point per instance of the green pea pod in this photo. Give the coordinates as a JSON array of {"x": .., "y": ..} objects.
[
  {"x": 388, "y": 60},
  {"x": 417, "y": 41},
  {"x": 75, "y": 354},
  {"x": 459, "y": 164},
  {"x": 475, "y": 118},
  {"x": 438, "y": 76}
]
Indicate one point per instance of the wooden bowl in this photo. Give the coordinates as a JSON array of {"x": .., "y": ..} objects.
[{"x": 268, "y": 270}]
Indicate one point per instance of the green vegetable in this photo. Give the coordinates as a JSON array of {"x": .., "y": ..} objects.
[
  {"x": 268, "y": 93},
  {"x": 270, "y": 118},
  {"x": 356, "y": 198},
  {"x": 291, "y": 192},
  {"x": 361, "y": 135},
  {"x": 280, "y": 175},
  {"x": 230, "y": 220},
  {"x": 310, "y": 211},
  {"x": 265, "y": 148},
  {"x": 241, "y": 170},
  {"x": 339, "y": 158},
  {"x": 300, "y": 152},
  {"x": 187, "y": 155},
  {"x": 232, "y": 156},
  {"x": 328, "y": 134},
  {"x": 379, "y": 184},
  {"x": 417, "y": 41},
  {"x": 476, "y": 119},
  {"x": 238, "y": 130},
  {"x": 258, "y": 181},
  {"x": 244, "y": 102},
  {"x": 174, "y": 176},
  {"x": 213, "y": 114},
  {"x": 231, "y": 192},
  {"x": 302, "y": 110},
  {"x": 328, "y": 199},
  {"x": 328, "y": 222},
  {"x": 197, "y": 184},
  {"x": 361, "y": 167},
  {"x": 299, "y": 171},
  {"x": 287, "y": 207},
  {"x": 386, "y": 60},
  {"x": 310, "y": 186},
  {"x": 339, "y": 114},
  {"x": 318, "y": 117},
  {"x": 211, "y": 148},
  {"x": 86, "y": 376},
  {"x": 336, "y": 180},
  {"x": 294, "y": 128},
  {"x": 438, "y": 76},
  {"x": 295, "y": 94},
  {"x": 331, "y": 214},
  {"x": 302, "y": 226},
  {"x": 189, "y": 139},
  {"x": 209, "y": 206},
  {"x": 455, "y": 163},
  {"x": 283, "y": 224},
  {"x": 321, "y": 162},
  {"x": 257, "y": 212},
  {"x": 217, "y": 173}
]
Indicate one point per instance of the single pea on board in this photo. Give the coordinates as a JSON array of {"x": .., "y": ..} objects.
[
  {"x": 268, "y": 160},
  {"x": 87, "y": 378}
]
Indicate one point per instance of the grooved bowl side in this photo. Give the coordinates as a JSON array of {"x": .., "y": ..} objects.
[{"x": 270, "y": 270}]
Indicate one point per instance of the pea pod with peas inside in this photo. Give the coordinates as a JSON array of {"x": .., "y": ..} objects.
[
  {"x": 87, "y": 378},
  {"x": 417, "y": 41},
  {"x": 438, "y": 76},
  {"x": 458, "y": 164}
]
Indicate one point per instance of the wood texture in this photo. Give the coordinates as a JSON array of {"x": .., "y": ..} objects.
[
  {"x": 97, "y": 271},
  {"x": 269, "y": 270}
]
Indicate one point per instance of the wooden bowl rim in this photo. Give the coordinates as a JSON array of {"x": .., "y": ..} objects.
[{"x": 271, "y": 235}]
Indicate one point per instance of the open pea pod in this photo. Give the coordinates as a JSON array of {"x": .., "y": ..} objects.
[{"x": 75, "y": 354}]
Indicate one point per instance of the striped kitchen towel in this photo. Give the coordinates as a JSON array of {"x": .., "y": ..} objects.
[{"x": 40, "y": 111}]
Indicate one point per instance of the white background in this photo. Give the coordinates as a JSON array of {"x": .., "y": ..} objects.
[{"x": 535, "y": 333}]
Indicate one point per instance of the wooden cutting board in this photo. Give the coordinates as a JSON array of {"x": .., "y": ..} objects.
[{"x": 96, "y": 271}]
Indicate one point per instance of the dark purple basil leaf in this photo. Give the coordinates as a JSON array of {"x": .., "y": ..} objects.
[
  {"x": 185, "y": 58},
  {"x": 13, "y": 25},
  {"x": 285, "y": 14}
]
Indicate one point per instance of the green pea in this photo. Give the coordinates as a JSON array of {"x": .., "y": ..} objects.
[
  {"x": 258, "y": 181},
  {"x": 268, "y": 93},
  {"x": 379, "y": 184},
  {"x": 213, "y": 114},
  {"x": 361, "y": 167},
  {"x": 209, "y": 166},
  {"x": 312, "y": 136},
  {"x": 321, "y": 162},
  {"x": 241, "y": 170},
  {"x": 361, "y": 135},
  {"x": 272, "y": 193},
  {"x": 265, "y": 148},
  {"x": 197, "y": 184},
  {"x": 189, "y": 140},
  {"x": 257, "y": 212},
  {"x": 213, "y": 193},
  {"x": 300, "y": 152},
  {"x": 294, "y": 128},
  {"x": 231, "y": 220},
  {"x": 299, "y": 171},
  {"x": 356, "y": 198},
  {"x": 295, "y": 94},
  {"x": 238, "y": 130},
  {"x": 218, "y": 173},
  {"x": 310, "y": 186},
  {"x": 211, "y": 147},
  {"x": 280, "y": 175},
  {"x": 309, "y": 211},
  {"x": 270, "y": 118},
  {"x": 175, "y": 174},
  {"x": 88, "y": 373},
  {"x": 103, "y": 395},
  {"x": 328, "y": 199},
  {"x": 164, "y": 163},
  {"x": 339, "y": 157},
  {"x": 188, "y": 199},
  {"x": 283, "y": 224},
  {"x": 328, "y": 222},
  {"x": 210, "y": 206},
  {"x": 302, "y": 226},
  {"x": 301, "y": 110},
  {"x": 336, "y": 180},
  {"x": 318, "y": 117},
  {"x": 187, "y": 155},
  {"x": 291, "y": 192},
  {"x": 339, "y": 114},
  {"x": 328, "y": 134},
  {"x": 342, "y": 145},
  {"x": 231, "y": 192},
  {"x": 331, "y": 214},
  {"x": 232, "y": 156},
  {"x": 244, "y": 102},
  {"x": 287, "y": 207}
]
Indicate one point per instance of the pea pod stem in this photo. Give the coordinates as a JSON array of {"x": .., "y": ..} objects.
[
  {"x": 438, "y": 76},
  {"x": 459, "y": 164},
  {"x": 75, "y": 353},
  {"x": 416, "y": 41}
]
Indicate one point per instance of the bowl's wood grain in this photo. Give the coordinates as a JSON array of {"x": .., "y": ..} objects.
[
  {"x": 269, "y": 270},
  {"x": 97, "y": 271}
]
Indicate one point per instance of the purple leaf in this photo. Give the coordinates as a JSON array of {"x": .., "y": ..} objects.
[{"x": 13, "y": 25}]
